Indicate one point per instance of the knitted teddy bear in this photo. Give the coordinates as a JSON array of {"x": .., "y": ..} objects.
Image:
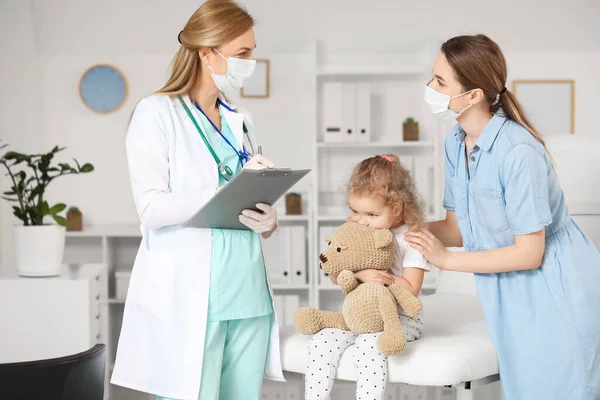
[{"x": 368, "y": 307}]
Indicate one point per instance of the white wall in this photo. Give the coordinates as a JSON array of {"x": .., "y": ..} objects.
[
  {"x": 46, "y": 45},
  {"x": 19, "y": 101}
]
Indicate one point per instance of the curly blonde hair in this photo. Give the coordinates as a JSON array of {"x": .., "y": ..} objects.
[{"x": 385, "y": 176}]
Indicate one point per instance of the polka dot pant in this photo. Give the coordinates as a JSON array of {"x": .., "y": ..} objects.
[{"x": 325, "y": 350}]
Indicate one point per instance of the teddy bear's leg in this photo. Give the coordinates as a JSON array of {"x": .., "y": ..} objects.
[
  {"x": 392, "y": 341},
  {"x": 324, "y": 352},
  {"x": 372, "y": 368},
  {"x": 310, "y": 321},
  {"x": 410, "y": 304}
]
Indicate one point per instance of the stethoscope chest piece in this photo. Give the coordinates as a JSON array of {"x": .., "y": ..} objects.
[{"x": 224, "y": 170}]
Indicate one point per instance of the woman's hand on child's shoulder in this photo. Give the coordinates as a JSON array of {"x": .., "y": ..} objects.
[{"x": 375, "y": 276}]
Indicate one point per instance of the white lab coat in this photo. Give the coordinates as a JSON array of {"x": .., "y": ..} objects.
[{"x": 172, "y": 174}]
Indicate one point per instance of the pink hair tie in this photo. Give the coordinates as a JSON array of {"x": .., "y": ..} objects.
[{"x": 390, "y": 159}]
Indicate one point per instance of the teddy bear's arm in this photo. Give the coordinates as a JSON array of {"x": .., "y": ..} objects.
[
  {"x": 347, "y": 281},
  {"x": 410, "y": 304}
]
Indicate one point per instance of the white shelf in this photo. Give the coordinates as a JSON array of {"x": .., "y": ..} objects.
[
  {"x": 396, "y": 145},
  {"x": 125, "y": 231},
  {"x": 133, "y": 231},
  {"x": 332, "y": 218},
  {"x": 290, "y": 287},
  {"x": 292, "y": 218},
  {"x": 329, "y": 288}
]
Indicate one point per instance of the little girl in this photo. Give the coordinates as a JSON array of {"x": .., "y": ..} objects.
[{"x": 382, "y": 195}]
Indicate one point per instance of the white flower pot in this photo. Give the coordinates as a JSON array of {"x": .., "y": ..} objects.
[{"x": 39, "y": 249}]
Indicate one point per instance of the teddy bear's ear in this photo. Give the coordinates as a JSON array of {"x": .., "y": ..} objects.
[{"x": 382, "y": 238}]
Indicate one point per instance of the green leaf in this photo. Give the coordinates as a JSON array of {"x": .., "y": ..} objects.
[
  {"x": 44, "y": 163},
  {"x": 60, "y": 220},
  {"x": 16, "y": 157},
  {"x": 38, "y": 190},
  {"x": 45, "y": 208},
  {"x": 77, "y": 164},
  {"x": 86, "y": 168},
  {"x": 11, "y": 193},
  {"x": 57, "y": 208},
  {"x": 18, "y": 212},
  {"x": 7, "y": 199}
]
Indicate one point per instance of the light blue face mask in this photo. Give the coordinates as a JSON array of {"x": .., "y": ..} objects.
[{"x": 238, "y": 70}]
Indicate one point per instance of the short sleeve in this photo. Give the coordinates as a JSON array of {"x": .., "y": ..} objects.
[
  {"x": 414, "y": 259},
  {"x": 449, "y": 169},
  {"x": 525, "y": 179}
]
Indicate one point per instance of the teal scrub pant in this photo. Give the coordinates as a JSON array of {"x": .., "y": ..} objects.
[{"x": 235, "y": 354}]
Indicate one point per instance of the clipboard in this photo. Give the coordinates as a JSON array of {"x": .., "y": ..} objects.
[{"x": 241, "y": 193}]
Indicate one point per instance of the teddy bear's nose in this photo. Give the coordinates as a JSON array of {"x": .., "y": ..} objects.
[{"x": 323, "y": 258}]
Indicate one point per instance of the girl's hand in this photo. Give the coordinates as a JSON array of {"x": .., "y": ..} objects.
[
  {"x": 430, "y": 246},
  {"x": 375, "y": 276}
]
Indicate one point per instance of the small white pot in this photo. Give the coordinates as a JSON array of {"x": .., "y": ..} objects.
[{"x": 39, "y": 249}]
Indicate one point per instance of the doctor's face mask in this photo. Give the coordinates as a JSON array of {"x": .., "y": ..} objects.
[
  {"x": 238, "y": 70},
  {"x": 235, "y": 60}
]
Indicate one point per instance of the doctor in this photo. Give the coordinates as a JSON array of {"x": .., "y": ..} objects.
[
  {"x": 537, "y": 273},
  {"x": 199, "y": 320}
]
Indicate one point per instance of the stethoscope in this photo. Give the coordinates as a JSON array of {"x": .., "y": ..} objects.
[{"x": 243, "y": 155}]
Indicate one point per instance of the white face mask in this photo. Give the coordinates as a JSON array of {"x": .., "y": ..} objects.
[
  {"x": 238, "y": 70},
  {"x": 440, "y": 104}
]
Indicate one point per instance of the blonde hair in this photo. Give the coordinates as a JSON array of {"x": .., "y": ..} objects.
[
  {"x": 215, "y": 23},
  {"x": 385, "y": 176}
]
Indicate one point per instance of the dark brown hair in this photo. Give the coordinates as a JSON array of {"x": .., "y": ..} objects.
[
  {"x": 478, "y": 63},
  {"x": 385, "y": 176}
]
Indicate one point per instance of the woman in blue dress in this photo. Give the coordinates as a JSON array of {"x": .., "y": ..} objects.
[{"x": 537, "y": 273}]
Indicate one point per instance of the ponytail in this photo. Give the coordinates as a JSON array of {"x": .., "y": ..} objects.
[
  {"x": 185, "y": 68},
  {"x": 514, "y": 111}
]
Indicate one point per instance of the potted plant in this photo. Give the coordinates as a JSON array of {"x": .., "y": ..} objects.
[
  {"x": 39, "y": 245},
  {"x": 410, "y": 130}
]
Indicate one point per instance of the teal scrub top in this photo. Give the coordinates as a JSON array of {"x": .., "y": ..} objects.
[{"x": 238, "y": 280}]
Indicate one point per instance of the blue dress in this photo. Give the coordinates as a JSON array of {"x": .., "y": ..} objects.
[{"x": 545, "y": 323}]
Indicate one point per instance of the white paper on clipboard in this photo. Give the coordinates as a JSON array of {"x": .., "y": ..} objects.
[{"x": 243, "y": 192}]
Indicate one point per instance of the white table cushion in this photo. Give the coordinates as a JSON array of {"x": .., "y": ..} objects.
[{"x": 455, "y": 346}]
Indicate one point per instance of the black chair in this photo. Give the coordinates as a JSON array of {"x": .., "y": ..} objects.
[{"x": 75, "y": 377}]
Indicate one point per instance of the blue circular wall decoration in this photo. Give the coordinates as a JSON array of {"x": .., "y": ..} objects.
[{"x": 103, "y": 88}]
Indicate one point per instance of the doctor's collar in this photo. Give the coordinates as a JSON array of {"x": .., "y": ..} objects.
[{"x": 221, "y": 100}]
